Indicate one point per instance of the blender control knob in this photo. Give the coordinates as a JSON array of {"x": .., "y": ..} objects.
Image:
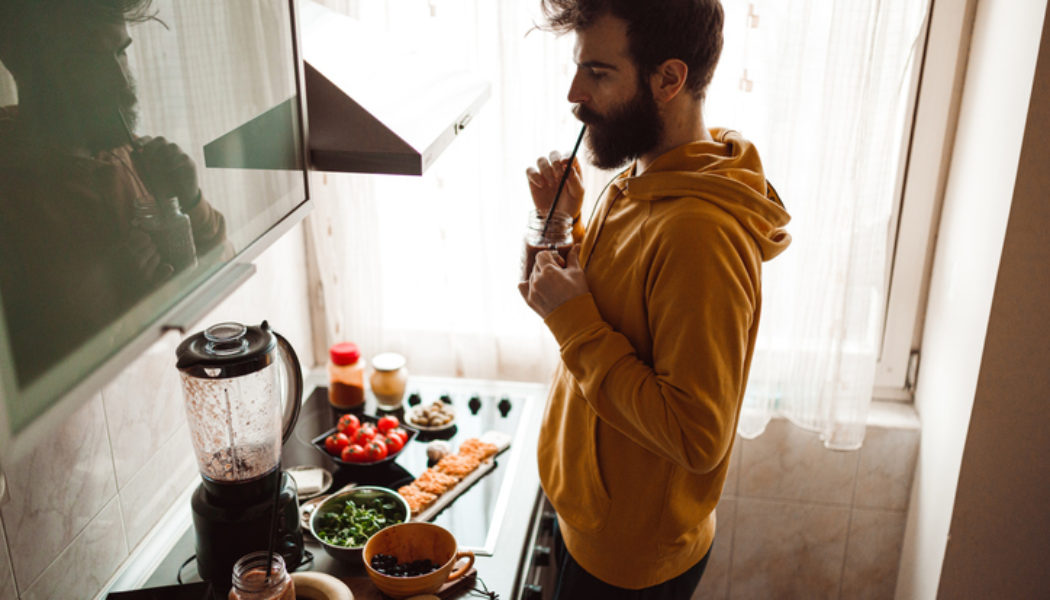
[
  {"x": 446, "y": 398},
  {"x": 504, "y": 406},
  {"x": 474, "y": 404},
  {"x": 414, "y": 399}
]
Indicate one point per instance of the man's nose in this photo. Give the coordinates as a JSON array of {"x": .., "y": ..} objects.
[{"x": 577, "y": 93}]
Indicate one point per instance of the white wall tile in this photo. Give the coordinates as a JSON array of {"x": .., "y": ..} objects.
[
  {"x": 144, "y": 408},
  {"x": 789, "y": 463},
  {"x": 873, "y": 554},
  {"x": 159, "y": 483},
  {"x": 714, "y": 585},
  {"x": 87, "y": 563},
  {"x": 7, "y": 576},
  {"x": 787, "y": 550},
  {"x": 57, "y": 489},
  {"x": 887, "y": 465}
]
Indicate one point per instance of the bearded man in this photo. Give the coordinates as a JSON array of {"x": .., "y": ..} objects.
[{"x": 656, "y": 309}]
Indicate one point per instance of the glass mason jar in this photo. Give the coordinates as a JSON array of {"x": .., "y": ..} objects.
[
  {"x": 170, "y": 230},
  {"x": 557, "y": 237},
  {"x": 346, "y": 376},
  {"x": 251, "y": 583},
  {"x": 388, "y": 380}
]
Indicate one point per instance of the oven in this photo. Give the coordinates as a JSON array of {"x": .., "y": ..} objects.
[{"x": 538, "y": 571}]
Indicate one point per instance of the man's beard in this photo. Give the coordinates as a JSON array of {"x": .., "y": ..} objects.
[
  {"x": 112, "y": 120},
  {"x": 627, "y": 132}
]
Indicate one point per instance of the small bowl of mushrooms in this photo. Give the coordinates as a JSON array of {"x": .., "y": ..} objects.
[{"x": 433, "y": 417}]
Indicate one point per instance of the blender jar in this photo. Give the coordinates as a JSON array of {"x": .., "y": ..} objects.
[{"x": 234, "y": 398}]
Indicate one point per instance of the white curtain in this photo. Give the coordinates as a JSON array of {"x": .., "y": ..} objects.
[
  {"x": 428, "y": 266},
  {"x": 822, "y": 88}
]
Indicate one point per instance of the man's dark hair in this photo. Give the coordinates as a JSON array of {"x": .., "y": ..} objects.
[
  {"x": 689, "y": 30},
  {"x": 17, "y": 17}
]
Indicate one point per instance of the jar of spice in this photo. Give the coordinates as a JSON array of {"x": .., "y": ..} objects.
[
  {"x": 250, "y": 581},
  {"x": 388, "y": 380},
  {"x": 346, "y": 376}
]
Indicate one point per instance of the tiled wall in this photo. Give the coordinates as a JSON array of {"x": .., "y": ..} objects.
[
  {"x": 86, "y": 497},
  {"x": 798, "y": 521}
]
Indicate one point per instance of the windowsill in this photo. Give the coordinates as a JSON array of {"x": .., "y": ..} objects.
[{"x": 892, "y": 415}]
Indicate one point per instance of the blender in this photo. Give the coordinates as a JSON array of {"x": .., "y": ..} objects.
[{"x": 242, "y": 388}]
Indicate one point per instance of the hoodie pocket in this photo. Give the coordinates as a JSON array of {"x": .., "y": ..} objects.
[{"x": 572, "y": 477}]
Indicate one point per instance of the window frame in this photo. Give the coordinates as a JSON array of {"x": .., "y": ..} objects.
[{"x": 937, "y": 91}]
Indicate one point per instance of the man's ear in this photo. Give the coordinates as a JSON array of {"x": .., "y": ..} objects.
[{"x": 668, "y": 80}]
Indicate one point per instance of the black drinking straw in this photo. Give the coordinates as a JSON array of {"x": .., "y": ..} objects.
[
  {"x": 127, "y": 130},
  {"x": 561, "y": 184},
  {"x": 273, "y": 523}
]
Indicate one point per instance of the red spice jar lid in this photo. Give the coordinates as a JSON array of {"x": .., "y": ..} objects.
[{"x": 344, "y": 353}]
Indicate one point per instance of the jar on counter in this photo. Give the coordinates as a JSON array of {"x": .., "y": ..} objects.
[
  {"x": 346, "y": 376},
  {"x": 388, "y": 380},
  {"x": 558, "y": 236},
  {"x": 251, "y": 583}
]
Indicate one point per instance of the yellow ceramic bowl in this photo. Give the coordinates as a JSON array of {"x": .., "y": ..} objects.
[{"x": 416, "y": 541}]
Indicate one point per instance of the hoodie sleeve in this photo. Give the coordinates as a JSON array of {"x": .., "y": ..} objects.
[{"x": 701, "y": 295}]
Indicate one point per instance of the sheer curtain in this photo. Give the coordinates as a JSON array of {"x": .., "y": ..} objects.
[
  {"x": 822, "y": 88},
  {"x": 428, "y": 266}
]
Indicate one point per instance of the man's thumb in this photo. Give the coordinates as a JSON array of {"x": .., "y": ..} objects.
[{"x": 574, "y": 256}]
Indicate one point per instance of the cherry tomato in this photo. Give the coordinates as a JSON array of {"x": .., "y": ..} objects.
[
  {"x": 334, "y": 444},
  {"x": 353, "y": 454},
  {"x": 349, "y": 424},
  {"x": 387, "y": 423},
  {"x": 375, "y": 450},
  {"x": 364, "y": 435},
  {"x": 394, "y": 443},
  {"x": 401, "y": 433}
]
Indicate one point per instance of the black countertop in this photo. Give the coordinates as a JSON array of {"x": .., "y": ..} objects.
[{"x": 498, "y": 571}]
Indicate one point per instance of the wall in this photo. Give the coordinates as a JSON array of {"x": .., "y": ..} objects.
[
  {"x": 998, "y": 540},
  {"x": 970, "y": 240},
  {"x": 799, "y": 521},
  {"x": 83, "y": 500}
]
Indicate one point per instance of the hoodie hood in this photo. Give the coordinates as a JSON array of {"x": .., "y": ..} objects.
[{"x": 726, "y": 172}]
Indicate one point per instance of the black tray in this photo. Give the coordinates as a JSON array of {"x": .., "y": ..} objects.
[{"x": 318, "y": 442}]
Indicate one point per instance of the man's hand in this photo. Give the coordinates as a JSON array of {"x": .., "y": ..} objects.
[
  {"x": 543, "y": 183},
  {"x": 166, "y": 170},
  {"x": 554, "y": 281},
  {"x": 143, "y": 254}
]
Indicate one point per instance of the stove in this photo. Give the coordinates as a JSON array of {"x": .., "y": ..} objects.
[
  {"x": 492, "y": 518},
  {"x": 473, "y": 517}
]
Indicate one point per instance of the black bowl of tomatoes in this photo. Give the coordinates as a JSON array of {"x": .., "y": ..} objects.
[{"x": 364, "y": 440}]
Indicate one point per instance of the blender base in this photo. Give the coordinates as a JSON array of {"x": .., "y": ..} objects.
[{"x": 226, "y": 531}]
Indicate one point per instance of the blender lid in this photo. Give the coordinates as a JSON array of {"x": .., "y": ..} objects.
[{"x": 226, "y": 350}]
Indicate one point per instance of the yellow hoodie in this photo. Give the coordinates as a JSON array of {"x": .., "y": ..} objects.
[{"x": 642, "y": 411}]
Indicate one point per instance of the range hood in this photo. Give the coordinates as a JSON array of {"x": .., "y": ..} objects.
[{"x": 376, "y": 105}]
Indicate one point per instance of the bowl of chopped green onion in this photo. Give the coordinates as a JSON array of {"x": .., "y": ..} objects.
[{"x": 344, "y": 521}]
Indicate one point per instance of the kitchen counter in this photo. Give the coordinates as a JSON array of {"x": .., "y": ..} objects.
[{"x": 498, "y": 561}]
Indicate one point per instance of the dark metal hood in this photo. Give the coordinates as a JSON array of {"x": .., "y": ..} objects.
[{"x": 378, "y": 106}]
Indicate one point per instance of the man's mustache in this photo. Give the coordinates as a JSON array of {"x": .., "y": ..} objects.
[{"x": 586, "y": 115}]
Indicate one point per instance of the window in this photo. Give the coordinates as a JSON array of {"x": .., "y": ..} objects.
[{"x": 825, "y": 90}]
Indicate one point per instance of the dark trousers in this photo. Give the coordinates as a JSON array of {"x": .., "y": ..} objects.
[{"x": 576, "y": 584}]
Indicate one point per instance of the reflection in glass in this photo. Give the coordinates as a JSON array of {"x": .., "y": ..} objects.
[{"x": 108, "y": 214}]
